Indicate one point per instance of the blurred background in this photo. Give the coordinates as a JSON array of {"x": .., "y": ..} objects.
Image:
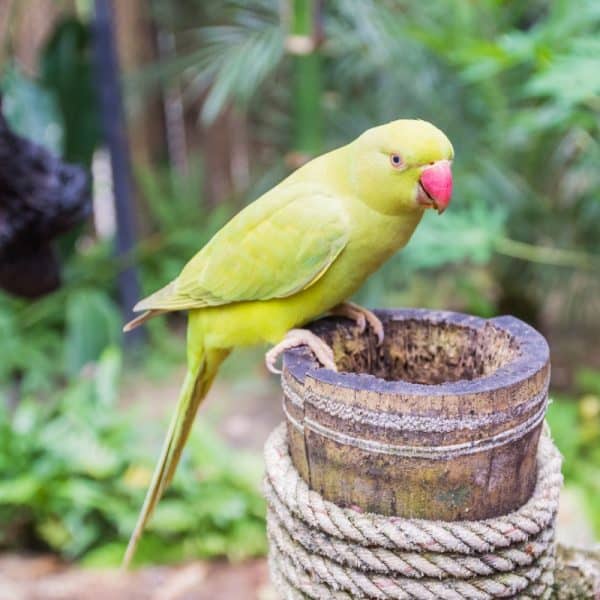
[{"x": 180, "y": 113}]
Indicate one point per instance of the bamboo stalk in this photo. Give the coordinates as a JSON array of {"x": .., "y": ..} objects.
[{"x": 303, "y": 44}]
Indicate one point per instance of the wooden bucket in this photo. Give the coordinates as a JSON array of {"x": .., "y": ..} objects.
[{"x": 441, "y": 422}]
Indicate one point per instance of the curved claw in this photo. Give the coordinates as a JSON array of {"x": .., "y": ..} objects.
[
  {"x": 301, "y": 337},
  {"x": 376, "y": 326},
  {"x": 271, "y": 359},
  {"x": 361, "y": 316}
]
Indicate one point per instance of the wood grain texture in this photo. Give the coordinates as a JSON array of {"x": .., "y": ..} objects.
[{"x": 441, "y": 422}]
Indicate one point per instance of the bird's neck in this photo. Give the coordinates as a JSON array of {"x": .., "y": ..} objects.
[{"x": 331, "y": 170}]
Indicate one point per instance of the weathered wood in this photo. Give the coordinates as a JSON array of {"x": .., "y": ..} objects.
[{"x": 441, "y": 422}]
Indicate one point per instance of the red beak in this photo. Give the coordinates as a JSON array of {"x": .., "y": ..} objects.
[{"x": 436, "y": 183}]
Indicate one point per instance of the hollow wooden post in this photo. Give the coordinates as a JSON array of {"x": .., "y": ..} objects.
[{"x": 440, "y": 422}]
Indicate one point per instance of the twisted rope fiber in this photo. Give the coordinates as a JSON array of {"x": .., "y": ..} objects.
[
  {"x": 319, "y": 550},
  {"x": 368, "y": 585},
  {"x": 409, "y": 564},
  {"x": 296, "y": 584}
]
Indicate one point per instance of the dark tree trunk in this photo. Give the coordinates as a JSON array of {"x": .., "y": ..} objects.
[{"x": 114, "y": 131}]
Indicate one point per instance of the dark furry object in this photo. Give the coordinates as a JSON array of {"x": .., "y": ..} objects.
[{"x": 41, "y": 197}]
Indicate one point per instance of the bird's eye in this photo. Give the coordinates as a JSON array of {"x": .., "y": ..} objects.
[{"x": 396, "y": 161}]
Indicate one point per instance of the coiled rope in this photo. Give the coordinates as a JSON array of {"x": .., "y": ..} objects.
[{"x": 321, "y": 551}]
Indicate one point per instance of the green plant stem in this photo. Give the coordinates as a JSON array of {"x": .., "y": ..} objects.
[
  {"x": 307, "y": 81},
  {"x": 546, "y": 255}
]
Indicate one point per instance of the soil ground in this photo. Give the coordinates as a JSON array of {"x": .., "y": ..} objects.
[{"x": 44, "y": 578}]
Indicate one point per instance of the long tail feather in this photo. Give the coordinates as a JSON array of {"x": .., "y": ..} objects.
[
  {"x": 141, "y": 319},
  {"x": 195, "y": 387}
]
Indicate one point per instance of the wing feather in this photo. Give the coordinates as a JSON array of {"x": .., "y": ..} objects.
[{"x": 271, "y": 249}]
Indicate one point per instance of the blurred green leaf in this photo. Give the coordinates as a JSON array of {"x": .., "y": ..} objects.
[
  {"x": 108, "y": 372},
  {"x": 588, "y": 380},
  {"x": 54, "y": 533},
  {"x": 31, "y": 110},
  {"x": 68, "y": 469},
  {"x": 573, "y": 77},
  {"x": 172, "y": 517},
  {"x": 575, "y": 426},
  {"x": 458, "y": 236},
  {"x": 93, "y": 323},
  {"x": 106, "y": 555},
  {"x": 563, "y": 419},
  {"x": 66, "y": 69},
  {"x": 20, "y": 490}
]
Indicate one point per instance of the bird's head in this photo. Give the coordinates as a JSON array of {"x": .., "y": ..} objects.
[{"x": 403, "y": 166}]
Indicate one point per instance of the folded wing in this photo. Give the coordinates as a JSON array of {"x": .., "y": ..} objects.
[{"x": 271, "y": 249}]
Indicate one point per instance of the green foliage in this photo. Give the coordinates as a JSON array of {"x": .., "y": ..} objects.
[
  {"x": 66, "y": 71},
  {"x": 53, "y": 337},
  {"x": 182, "y": 224},
  {"x": 575, "y": 425},
  {"x": 467, "y": 235},
  {"x": 31, "y": 110},
  {"x": 92, "y": 324},
  {"x": 57, "y": 110},
  {"x": 74, "y": 474},
  {"x": 233, "y": 56}
]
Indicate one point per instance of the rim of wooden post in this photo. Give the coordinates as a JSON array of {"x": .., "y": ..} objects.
[
  {"x": 534, "y": 356},
  {"x": 459, "y": 449}
]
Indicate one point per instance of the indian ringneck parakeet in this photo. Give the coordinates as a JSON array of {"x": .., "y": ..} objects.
[{"x": 295, "y": 253}]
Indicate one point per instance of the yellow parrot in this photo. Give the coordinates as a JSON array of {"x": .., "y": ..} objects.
[{"x": 295, "y": 253}]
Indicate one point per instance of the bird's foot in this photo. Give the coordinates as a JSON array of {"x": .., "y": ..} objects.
[
  {"x": 361, "y": 316},
  {"x": 301, "y": 337}
]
